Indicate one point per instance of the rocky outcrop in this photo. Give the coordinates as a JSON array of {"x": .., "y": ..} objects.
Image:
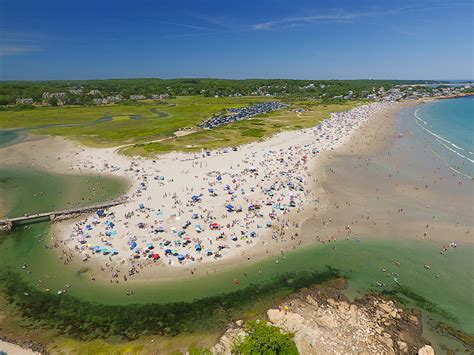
[
  {"x": 324, "y": 321},
  {"x": 226, "y": 342}
]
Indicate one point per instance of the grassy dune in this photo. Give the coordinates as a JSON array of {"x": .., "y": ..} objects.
[
  {"x": 238, "y": 133},
  {"x": 159, "y": 122}
]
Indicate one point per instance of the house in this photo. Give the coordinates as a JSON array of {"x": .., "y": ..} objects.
[
  {"x": 94, "y": 93},
  {"x": 75, "y": 91},
  {"x": 25, "y": 101},
  {"x": 57, "y": 95},
  {"x": 113, "y": 98},
  {"x": 160, "y": 96},
  {"x": 137, "y": 97}
]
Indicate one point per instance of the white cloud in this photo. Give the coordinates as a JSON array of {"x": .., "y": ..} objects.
[
  {"x": 17, "y": 49},
  {"x": 342, "y": 16},
  {"x": 14, "y": 42}
]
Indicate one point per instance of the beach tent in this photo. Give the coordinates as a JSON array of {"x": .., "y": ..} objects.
[{"x": 214, "y": 226}]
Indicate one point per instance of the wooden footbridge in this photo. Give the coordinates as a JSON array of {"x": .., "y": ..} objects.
[{"x": 8, "y": 223}]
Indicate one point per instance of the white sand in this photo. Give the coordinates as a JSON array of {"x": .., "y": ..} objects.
[{"x": 14, "y": 349}]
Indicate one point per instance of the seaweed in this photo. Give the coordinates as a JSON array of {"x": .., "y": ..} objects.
[{"x": 71, "y": 316}]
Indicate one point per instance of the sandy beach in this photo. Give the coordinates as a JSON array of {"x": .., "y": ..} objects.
[{"x": 189, "y": 214}]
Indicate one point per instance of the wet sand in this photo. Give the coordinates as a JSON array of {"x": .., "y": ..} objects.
[{"x": 383, "y": 186}]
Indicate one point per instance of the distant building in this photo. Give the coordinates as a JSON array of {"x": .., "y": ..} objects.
[
  {"x": 137, "y": 97},
  {"x": 25, "y": 101},
  {"x": 94, "y": 93},
  {"x": 160, "y": 96},
  {"x": 57, "y": 95},
  {"x": 75, "y": 91},
  {"x": 99, "y": 101},
  {"x": 114, "y": 98}
]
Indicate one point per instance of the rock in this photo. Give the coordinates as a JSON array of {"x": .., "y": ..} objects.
[
  {"x": 326, "y": 322},
  {"x": 312, "y": 301},
  {"x": 275, "y": 316},
  {"x": 226, "y": 342},
  {"x": 343, "y": 306},
  {"x": 239, "y": 323},
  {"x": 403, "y": 347},
  {"x": 413, "y": 319},
  {"x": 332, "y": 302},
  {"x": 426, "y": 350},
  {"x": 385, "y": 307},
  {"x": 322, "y": 325}
]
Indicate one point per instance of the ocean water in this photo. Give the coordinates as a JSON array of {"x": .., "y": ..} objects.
[{"x": 448, "y": 126}]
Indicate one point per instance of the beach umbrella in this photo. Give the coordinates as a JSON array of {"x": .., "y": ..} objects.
[
  {"x": 155, "y": 256},
  {"x": 133, "y": 245}
]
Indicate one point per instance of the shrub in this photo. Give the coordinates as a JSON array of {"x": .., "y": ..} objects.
[{"x": 265, "y": 339}]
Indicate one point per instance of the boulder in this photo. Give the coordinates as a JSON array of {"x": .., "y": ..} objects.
[{"x": 426, "y": 350}]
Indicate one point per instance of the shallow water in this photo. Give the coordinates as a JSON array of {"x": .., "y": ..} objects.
[{"x": 449, "y": 125}]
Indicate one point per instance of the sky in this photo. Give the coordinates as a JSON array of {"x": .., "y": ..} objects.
[{"x": 293, "y": 39}]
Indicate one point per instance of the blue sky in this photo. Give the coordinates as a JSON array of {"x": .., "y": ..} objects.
[{"x": 71, "y": 39}]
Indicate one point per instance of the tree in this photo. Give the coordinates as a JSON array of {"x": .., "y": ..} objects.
[
  {"x": 53, "y": 101},
  {"x": 265, "y": 339}
]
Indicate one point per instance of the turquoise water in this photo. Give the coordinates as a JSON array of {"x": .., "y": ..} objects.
[
  {"x": 11, "y": 137},
  {"x": 448, "y": 125}
]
